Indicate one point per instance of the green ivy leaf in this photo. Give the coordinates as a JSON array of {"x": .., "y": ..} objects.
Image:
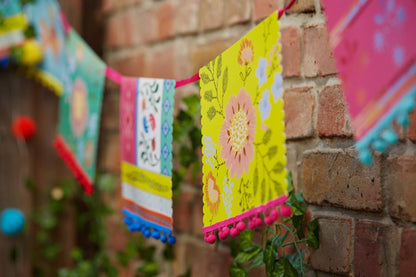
[
  {"x": 149, "y": 269},
  {"x": 278, "y": 241},
  {"x": 297, "y": 259},
  {"x": 208, "y": 95},
  {"x": 246, "y": 239},
  {"x": 225, "y": 80},
  {"x": 236, "y": 271},
  {"x": 267, "y": 136},
  {"x": 106, "y": 182},
  {"x": 244, "y": 257},
  {"x": 285, "y": 269},
  {"x": 192, "y": 102},
  {"x": 257, "y": 260},
  {"x": 313, "y": 234},
  {"x": 205, "y": 78},
  {"x": 272, "y": 151},
  {"x": 297, "y": 221},
  {"x": 219, "y": 66},
  {"x": 211, "y": 112},
  {"x": 255, "y": 181},
  {"x": 269, "y": 256}
]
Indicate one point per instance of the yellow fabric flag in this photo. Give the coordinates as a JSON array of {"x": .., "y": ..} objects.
[{"x": 243, "y": 133}]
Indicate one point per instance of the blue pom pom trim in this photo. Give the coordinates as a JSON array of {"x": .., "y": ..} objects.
[
  {"x": 382, "y": 135},
  {"x": 136, "y": 223}
]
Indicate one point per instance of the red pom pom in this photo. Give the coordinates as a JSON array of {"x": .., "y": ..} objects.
[
  {"x": 285, "y": 211},
  {"x": 23, "y": 127}
]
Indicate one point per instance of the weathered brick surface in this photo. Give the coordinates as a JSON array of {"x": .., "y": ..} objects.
[
  {"x": 375, "y": 249},
  {"x": 408, "y": 253},
  {"x": 182, "y": 211},
  {"x": 299, "y": 106},
  {"x": 211, "y": 15},
  {"x": 333, "y": 254},
  {"x": 263, "y": 8},
  {"x": 237, "y": 11},
  {"x": 301, "y": 6},
  {"x": 204, "y": 261},
  {"x": 318, "y": 59},
  {"x": 165, "y": 20},
  {"x": 401, "y": 182},
  {"x": 337, "y": 178},
  {"x": 332, "y": 116},
  {"x": 291, "y": 51},
  {"x": 412, "y": 127},
  {"x": 186, "y": 16}
]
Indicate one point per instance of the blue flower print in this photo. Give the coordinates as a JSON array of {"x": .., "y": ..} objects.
[
  {"x": 264, "y": 105},
  {"x": 277, "y": 87},
  {"x": 261, "y": 71},
  {"x": 145, "y": 125}
]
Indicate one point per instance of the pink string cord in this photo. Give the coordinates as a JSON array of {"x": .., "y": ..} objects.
[
  {"x": 65, "y": 23},
  {"x": 113, "y": 75},
  {"x": 184, "y": 82},
  {"x": 282, "y": 11}
]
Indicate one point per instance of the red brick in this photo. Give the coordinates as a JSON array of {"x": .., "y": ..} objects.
[
  {"x": 333, "y": 254},
  {"x": 110, "y": 111},
  {"x": 299, "y": 105},
  {"x": 318, "y": 56},
  {"x": 401, "y": 182},
  {"x": 375, "y": 249},
  {"x": 162, "y": 63},
  {"x": 204, "y": 261},
  {"x": 147, "y": 23},
  {"x": 132, "y": 65},
  {"x": 182, "y": 209},
  {"x": 186, "y": 16},
  {"x": 408, "y": 253},
  {"x": 291, "y": 51},
  {"x": 114, "y": 38},
  {"x": 237, "y": 11},
  {"x": 182, "y": 63},
  {"x": 197, "y": 215},
  {"x": 332, "y": 114},
  {"x": 202, "y": 54},
  {"x": 412, "y": 127},
  {"x": 301, "y": 6},
  {"x": 336, "y": 177},
  {"x": 118, "y": 236},
  {"x": 108, "y": 158},
  {"x": 165, "y": 20},
  {"x": 130, "y": 28},
  {"x": 263, "y": 8},
  {"x": 211, "y": 14}
]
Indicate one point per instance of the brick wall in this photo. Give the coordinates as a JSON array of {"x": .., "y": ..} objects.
[{"x": 367, "y": 216}]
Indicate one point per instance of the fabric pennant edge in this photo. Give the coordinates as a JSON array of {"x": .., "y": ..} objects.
[{"x": 65, "y": 153}]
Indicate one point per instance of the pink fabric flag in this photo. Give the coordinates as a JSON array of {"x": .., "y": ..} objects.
[{"x": 374, "y": 47}]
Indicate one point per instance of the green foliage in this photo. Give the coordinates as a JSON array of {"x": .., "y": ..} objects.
[
  {"x": 271, "y": 252},
  {"x": 187, "y": 137}
]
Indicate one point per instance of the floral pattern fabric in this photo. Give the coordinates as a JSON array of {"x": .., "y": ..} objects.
[
  {"x": 12, "y": 26},
  {"x": 375, "y": 57},
  {"x": 80, "y": 111},
  {"x": 53, "y": 70},
  {"x": 243, "y": 129},
  {"x": 146, "y": 120}
]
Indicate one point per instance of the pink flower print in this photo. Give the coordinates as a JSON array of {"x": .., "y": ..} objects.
[
  {"x": 79, "y": 107},
  {"x": 152, "y": 122},
  {"x": 237, "y": 133}
]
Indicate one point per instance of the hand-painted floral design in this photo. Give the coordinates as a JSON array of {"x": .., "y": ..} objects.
[
  {"x": 227, "y": 195},
  {"x": 210, "y": 151},
  {"x": 152, "y": 121},
  {"x": 79, "y": 107},
  {"x": 246, "y": 53},
  {"x": 264, "y": 105},
  {"x": 212, "y": 193},
  {"x": 237, "y": 133},
  {"x": 277, "y": 87},
  {"x": 261, "y": 71}
]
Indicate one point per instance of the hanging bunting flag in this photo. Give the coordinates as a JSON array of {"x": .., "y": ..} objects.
[
  {"x": 12, "y": 25},
  {"x": 44, "y": 15},
  {"x": 376, "y": 59},
  {"x": 146, "y": 122},
  {"x": 80, "y": 110},
  {"x": 243, "y": 136}
]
